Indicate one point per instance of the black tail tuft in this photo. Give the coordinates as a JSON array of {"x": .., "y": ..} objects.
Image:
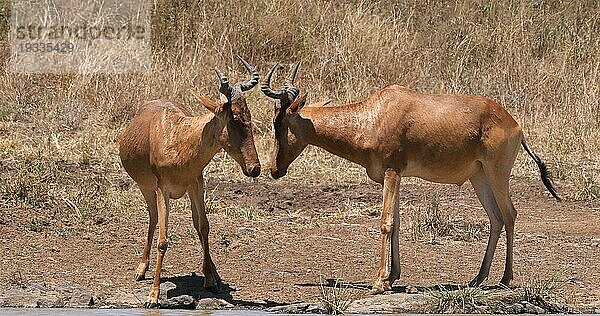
[{"x": 543, "y": 171}]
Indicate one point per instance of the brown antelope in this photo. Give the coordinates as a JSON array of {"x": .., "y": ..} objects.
[
  {"x": 165, "y": 150},
  {"x": 398, "y": 133}
]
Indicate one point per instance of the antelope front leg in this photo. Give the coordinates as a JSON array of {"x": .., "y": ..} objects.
[
  {"x": 389, "y": 225},
  {"x": 162, "y": 198},
  {"x": 212, "y": 280}
]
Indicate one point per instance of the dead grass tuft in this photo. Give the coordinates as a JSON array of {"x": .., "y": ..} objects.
[
  {"x": 547, "y": 293},
  {"x": 465, "y": 300},
  {"x": 335, "y": 298},
  {"x": 430, "y": 223}
]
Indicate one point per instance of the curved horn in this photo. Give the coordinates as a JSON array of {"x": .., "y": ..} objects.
[
  {"x": 290, "y": 79},
  {"x": 255, "y": 76},
  {"x": 292, "y": 92},
  {"x": 265, "y": 86},
  {"x": 225, "y": 87}
]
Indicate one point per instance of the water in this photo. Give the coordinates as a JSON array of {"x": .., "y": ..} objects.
[{"x": 125, "y": 312}]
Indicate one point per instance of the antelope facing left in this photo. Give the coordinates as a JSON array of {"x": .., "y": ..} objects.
[
  {"x": 397, "y": 132},
  {"x": 165, "y": 150}
]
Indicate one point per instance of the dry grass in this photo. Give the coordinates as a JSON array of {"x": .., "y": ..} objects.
[
  {"x": 539, "y": 59},
  {"x": 432, "y": 222},
  {"x": 544, "y": 293},
  {"x": 335, "y": 298},
  {"x": 467, "y": 300}
]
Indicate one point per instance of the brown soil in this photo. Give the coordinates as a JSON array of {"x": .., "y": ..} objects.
[{"x": 292, "y": 235}]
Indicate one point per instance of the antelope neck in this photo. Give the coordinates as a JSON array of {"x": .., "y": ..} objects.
[{"x": 345, "y": 130}]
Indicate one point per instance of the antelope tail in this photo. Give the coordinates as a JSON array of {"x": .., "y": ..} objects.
[{"x": 543, "y": 170}]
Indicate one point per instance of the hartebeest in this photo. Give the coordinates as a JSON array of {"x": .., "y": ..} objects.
[
  {"x": 397, "y": 132},
  {"x": 165, "y": 150}
]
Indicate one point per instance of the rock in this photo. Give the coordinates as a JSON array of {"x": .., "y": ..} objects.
[
  {"x": 515, "y": 308},
  {"x": 391, "y": 303},
  {"x": 284, "y": 220},
  {"x": 298, "y": 308},
  {"x": 179, "y": 302},
  {"x": 314, "y": 309},
  {"x": 246, "y": 230},
  {"x": 533, "y": 309},
  {"x": 127, "y": 300},
  {"x": 30, "y": 297},
  {"x": 213, "y": 303},
  {"x": 166, "y": 287},
  {"x": 411, "y": 290},
  {"x": 39, "y": 286},
  {"x": 82, "y": 297},
  {"x": 66, "y": 287}
]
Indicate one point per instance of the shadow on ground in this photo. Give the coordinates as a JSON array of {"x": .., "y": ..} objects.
[{"x": 188, "y": 292}]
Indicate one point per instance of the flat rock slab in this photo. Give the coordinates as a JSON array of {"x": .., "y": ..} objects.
[
  {"x": 297, "y": 308},
  {"x": 48, "y": 295},
  {"x": 389, "y": 303}
]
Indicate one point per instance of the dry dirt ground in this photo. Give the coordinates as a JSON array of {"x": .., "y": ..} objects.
[{"x": 274, "y": 241}]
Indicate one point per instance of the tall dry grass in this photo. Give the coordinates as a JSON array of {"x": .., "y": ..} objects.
[{"x": 540, "y": 59}]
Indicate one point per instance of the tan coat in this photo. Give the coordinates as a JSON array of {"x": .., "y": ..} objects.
[{"x": 397, "y": 132}]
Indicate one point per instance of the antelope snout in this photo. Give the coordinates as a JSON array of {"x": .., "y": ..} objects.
[
  {"x": 254, "y": 170},
  {"x": 277, "y": 173}
]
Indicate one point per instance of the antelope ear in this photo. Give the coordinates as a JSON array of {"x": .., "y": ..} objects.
[
  {"x": 207, "y": 103},
  {"x": 298, "y": 104},
  {"x": 223, "y": 98}
]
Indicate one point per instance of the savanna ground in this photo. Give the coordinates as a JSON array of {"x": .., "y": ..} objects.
[{"x": 68, "y": 211}]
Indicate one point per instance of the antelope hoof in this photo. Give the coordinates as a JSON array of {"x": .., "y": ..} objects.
[
  {"x": 214, "y": 286},
  {"x": 139, "y": 277},
  {"x": 476, "y": 281},
  {"x": 152, "y": 304},
  {"x": 212, "y": 280},
  {"x": 380, "y": 287},
  {"x": 375, "y": 291},
  {"x": 505, "y": 281},
  {"x": 140, "y": 272}
]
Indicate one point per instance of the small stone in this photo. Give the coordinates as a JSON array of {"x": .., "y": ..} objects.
[
  {"x": 284, "y": 220},
  {"x": 246, "y": 230},
  {"x": 166, "y": 286},
  {"x": 39, "y": 286},
  {"x": 314, "y": 309},
  {"x": 213, "y": 303},
  {"x": 66, "y": 287},
  {"x": 533, "y": 309},
  {"x": 411, "y": 290},
  {"x": 179, "y": 302},
  {"x": 516, "y": 308},
  {"x": 81, "y": 298}
]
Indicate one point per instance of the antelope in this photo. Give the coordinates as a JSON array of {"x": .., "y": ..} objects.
[
  {"x": 165, "y": 150},
  {"x": 397, "y": 132}
]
